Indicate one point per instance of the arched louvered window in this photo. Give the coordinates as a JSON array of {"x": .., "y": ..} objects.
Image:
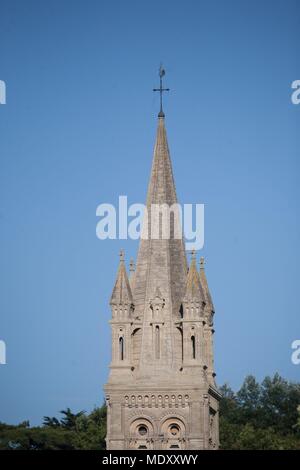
[
  {"x": 193, "y": 347},
  {"x": 157, "y": 342},
  {"x": 121, "y": 348}
]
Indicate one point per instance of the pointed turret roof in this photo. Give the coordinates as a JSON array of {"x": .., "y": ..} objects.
[
  {"x": 204, "y": 285},
  {"x": 194, "y": 289},
  {"x": 161, "y": 262},
  {"x": 121, "y": 291}
]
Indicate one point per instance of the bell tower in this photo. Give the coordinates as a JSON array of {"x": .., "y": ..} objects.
[{"x": 161, "y": 391}]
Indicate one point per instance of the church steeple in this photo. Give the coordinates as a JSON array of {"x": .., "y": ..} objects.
[
  {"x": 161, "y": 392},
  {"x": 161, "y": 262}
]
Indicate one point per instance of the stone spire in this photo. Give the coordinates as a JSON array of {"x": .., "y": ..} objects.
[
  {"x": 160, "y": 262},
  {"x": 194, "y": 290},
  {"x": 121, "y": 292},
  {"x": 161, "y": 392}
]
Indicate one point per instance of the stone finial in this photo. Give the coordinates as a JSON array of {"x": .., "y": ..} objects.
[
  {"x": 131, "y": 266},
  {"x": 122, "y": 255},
  {"x": 202, "y": 262},
  {"x": 193, "y": 254},
  {"x": 158, "y": 302}
]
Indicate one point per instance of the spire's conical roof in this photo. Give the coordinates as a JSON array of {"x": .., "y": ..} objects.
[
  {"x": 121, "y": 291},
  {"x": 194, "y": 289},
  {"x": 161, "y": 262}
]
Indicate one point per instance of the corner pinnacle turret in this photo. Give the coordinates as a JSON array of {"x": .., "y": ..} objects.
[{"x": 122, "y": 292}]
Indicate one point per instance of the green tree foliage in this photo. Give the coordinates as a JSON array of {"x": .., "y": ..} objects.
[
  {"x": 261, "y": 416},
  {"x": 258, "y": 416},
  {"x": 297, "y": 425},
  {"x": 73, "y": 431}
]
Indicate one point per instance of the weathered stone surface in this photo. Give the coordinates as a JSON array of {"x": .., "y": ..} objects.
[{"x": 161, "y": 391}]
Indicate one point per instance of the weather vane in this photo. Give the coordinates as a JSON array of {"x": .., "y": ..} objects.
[{"x": 162, "y": 72}]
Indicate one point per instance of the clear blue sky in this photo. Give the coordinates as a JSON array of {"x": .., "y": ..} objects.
[{"x": 78, "y": 129}]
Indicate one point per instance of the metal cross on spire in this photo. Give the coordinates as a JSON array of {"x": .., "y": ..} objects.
[{"x": 162, "y": 72}]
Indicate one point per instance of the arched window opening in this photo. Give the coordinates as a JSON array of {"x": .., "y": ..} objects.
[
  {"x": 121, "y": 348},
  {"x": 143, "y": 430},
  {"x": 181, "y": 311},
  {"x": 193, "y": 347},
  {"x": 157, "y": 342},
  {"x": 181, "y": 343},
  {"x": 174, "y": 430}
]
